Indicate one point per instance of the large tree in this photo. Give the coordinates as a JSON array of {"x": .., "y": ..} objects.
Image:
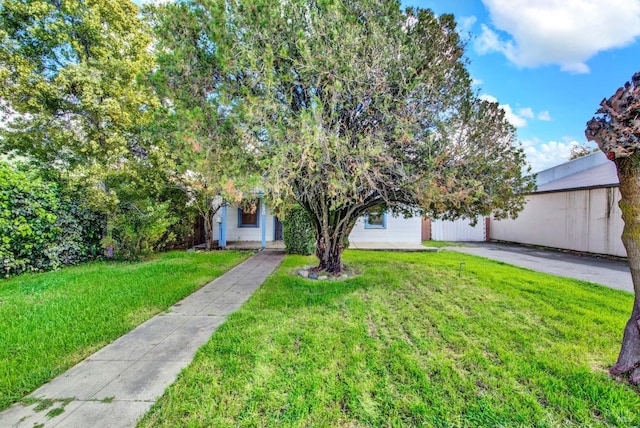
[
  {"x": 357, "y": 105},
  {"x": 617, "y": 132},
  {"x": 71, "y": 80}
]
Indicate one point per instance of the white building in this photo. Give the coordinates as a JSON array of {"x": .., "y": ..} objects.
[
  {"x": 236, "y": 225},
  {"x": 575, "y": 207}
]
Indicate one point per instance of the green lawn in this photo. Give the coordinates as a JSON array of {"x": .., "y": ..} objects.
[
  {"x": 440, "y": 244},
  {"x": 410, "y": 343},
  {"x": 51, "y": 321}
]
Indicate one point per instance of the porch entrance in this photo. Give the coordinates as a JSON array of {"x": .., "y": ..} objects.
[{"x": 277, "y": 229}]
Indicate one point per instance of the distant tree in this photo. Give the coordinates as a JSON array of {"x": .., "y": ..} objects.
[
  {"x": 578, "y": 151},
  {"x": 356, "y": 105},
  {"x": 617, "y": 133}
]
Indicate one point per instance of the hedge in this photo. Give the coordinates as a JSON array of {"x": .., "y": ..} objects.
[
  {"x": 39, "y": 229},
  {"x": 298, "y": 232}
]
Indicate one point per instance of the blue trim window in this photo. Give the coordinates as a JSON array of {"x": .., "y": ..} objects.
[
  {"x": 376, "y": 218},
  {"x": 249, "y": 217}
]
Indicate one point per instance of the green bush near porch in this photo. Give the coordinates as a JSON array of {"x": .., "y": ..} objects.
[{"x": 298, "y": 232}]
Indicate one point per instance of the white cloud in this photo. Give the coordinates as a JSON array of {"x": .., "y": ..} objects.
[
  {"x": 476, "y": 82},
  {"x": 489, "y": 42},
  {"x": 512, "y": 118},
  {"x": 545, "y": 155},
  {"x": 562, "y": 32},
  {"x": 526, "y": 112},
  {"x": 489, "y": 98},
  {"x": 466, "y": 23},
  {"x": 545, "y": 116}
]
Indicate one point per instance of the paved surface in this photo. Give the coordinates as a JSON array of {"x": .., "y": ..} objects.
[
  {"x": 390, "y": 246},
  {"x": 372, "y": 246},
  {"x": 117, "y": 385},
  {"x": 609, "y": 272}
]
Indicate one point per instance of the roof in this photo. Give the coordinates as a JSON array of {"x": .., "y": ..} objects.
[{"x": 587, "y": 172}]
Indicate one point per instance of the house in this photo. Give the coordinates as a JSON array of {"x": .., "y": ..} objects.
[
  {"x": 261, "y": 224},
  {"x": 575, "y": 207}
]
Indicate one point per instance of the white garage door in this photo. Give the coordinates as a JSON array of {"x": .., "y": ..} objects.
[{"x": 458, "y": 230}]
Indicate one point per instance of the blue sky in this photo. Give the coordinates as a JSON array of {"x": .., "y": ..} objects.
[{"x": 548, "y": 63}]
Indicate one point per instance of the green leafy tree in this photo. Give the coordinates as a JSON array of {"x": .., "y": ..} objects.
[
  {"x": 210, "y": 164},
  {"x": 353, "y": 105},
  {"x": 70, "y": 81},
  {"x": 617, "y": 132}
]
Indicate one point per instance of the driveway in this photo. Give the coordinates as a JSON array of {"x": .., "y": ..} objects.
[{"x": 601, "y": 270}]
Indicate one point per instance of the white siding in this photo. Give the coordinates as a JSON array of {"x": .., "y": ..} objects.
[
  {"x": 235, "y": 233},
  {"x": 579, "y": 220},
  {"x": 399, "y": 229},
  {"x": 458, "y": 230}
]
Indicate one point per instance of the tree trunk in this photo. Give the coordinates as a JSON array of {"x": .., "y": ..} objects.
[
  {"x": 629, "y": 176},
  {"x": 332, "y": 232},
  {"x": 208, "y": 230},
  {"x": 329, "y": 252}
]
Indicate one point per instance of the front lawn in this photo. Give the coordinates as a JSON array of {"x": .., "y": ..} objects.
[
  {"x": 53, "y": 320},
  {"x": 411, "y": 343},
  {"x": 440, "y": 244}
]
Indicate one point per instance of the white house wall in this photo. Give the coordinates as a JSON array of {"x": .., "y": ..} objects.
[
  {"x": 399, "y": 229},
  {"x": 235, "y": 233},
  {"x": 580, "y": 220}
]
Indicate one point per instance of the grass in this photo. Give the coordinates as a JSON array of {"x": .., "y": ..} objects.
[
  {"x": 53, "y": 320},
  {"x": 440, "y": 244},
  {"x": 412, "y": 341}
]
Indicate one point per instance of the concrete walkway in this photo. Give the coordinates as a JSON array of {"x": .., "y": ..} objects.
[
  {"x": 390, "y": 246},
  {"x": 117, "y": 385},
  {"x": 612, "y": 273}
]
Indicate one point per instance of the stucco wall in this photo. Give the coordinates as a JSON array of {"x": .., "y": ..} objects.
[
  {"x": 580, "y": 220},
  {"x": 399, "y": 229}
]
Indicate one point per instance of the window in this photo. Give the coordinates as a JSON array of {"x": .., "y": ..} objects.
[
  {"x": 249, "y": 216},
  {"x": 375, "y": 218}
]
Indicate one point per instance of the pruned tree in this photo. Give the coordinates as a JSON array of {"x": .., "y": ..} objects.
[
  {"x": 354, "y": 105},
  {"x": 617, "y": 133}
]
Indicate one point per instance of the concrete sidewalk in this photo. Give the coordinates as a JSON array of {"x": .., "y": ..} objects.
[
  {"x": 117, "y": 385},
  {"x": 391, "y": 246},
  {"x": 606, "y": 271}
]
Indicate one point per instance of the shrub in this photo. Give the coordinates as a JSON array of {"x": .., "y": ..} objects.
[
  {"x": 136, "y": 231},
  {"x": 298, "y": 232},
  {"x": 40, "y": 230}
]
